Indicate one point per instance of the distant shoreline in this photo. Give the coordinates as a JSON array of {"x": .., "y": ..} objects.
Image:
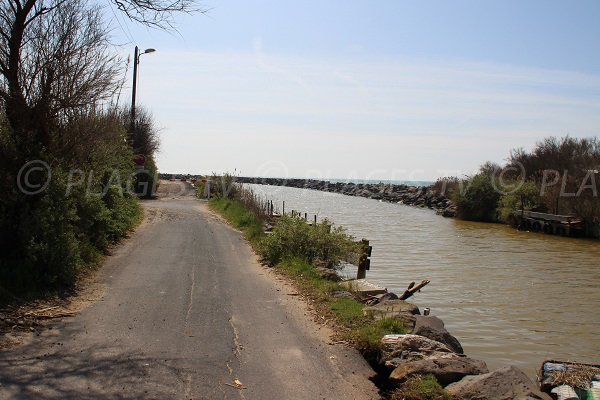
[{"x": 413, "y": 195}]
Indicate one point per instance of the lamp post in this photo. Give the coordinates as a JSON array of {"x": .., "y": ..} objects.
[{"x": 136, "y": 61}]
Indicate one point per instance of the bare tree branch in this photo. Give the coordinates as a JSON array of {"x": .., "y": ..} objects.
[
  {"x": 157, "y": 13},
  {"x": 59, "y": 61}
]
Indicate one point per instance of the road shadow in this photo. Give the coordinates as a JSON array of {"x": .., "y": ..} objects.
[{"x": 97, "y": 372}]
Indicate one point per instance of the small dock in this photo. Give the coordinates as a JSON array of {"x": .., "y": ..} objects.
[{"x": 553, "y": 224}]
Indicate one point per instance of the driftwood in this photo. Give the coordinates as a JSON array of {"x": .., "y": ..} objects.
[{"x": 412, "y": 289}]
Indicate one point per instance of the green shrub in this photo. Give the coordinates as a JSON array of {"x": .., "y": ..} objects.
[
  {"x": 292, "y": 237},
  {"x": 519, "y": 195},
  {"x": 218, "y": 187},
  {"x": 421, "y": 388},
  {"x": 478, "y": 199},
  {"x": 446, "y": 186},
  {"x": 145, "y": 183},
  {"x": 48, "y": 239}
]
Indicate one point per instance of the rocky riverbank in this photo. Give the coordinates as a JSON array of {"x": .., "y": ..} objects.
[
  {"x": 430, "y": 349},
  {"x": 418, "y": 196}
]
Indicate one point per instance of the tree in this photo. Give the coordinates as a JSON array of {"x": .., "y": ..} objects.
[
  {"x": 563, "y": 169},
  {"x": 144, "y": 141},
  {"x": 58, "y": 74},
  {"x": 55, "y": 60},
  {"x": 55, "y": 56}
]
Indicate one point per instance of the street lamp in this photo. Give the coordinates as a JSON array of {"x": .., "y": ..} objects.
[{"x": 136, "y": 61}]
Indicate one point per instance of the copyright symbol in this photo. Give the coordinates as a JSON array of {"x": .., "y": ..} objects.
[
  {"x": 508, "y": 186},
  {"x": 272, "y": 168},
  {"x": 34, "y": 177}
]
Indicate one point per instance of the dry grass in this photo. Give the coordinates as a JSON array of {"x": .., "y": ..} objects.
[{"x": 577, "y": 376}]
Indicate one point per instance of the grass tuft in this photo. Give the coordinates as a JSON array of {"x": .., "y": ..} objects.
[
  {"x": 421, "y": 388},
  {"x": 368, "y": 337},
  {"x": 240, "y": 217}
]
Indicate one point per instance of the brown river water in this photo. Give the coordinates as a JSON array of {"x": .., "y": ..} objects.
[{"x": 510, "y": 297}]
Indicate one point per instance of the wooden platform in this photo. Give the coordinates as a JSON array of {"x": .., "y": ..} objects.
[
  {"x": 549, "y": 217},
  {"x": 566, "y": 225}
]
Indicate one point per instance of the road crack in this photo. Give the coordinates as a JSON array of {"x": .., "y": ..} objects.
[
  {"x": 191, "y": 300},
  {"x": 237, "y": 352}
]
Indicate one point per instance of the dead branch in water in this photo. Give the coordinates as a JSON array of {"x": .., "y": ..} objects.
[{"x": 412, "y": 289}]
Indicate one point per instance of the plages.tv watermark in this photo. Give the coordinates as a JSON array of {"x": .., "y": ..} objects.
[
  {"x": 510, "y": 179},
  {"x": 505, "y": 180},
  {"x": 35, "y": 176}
]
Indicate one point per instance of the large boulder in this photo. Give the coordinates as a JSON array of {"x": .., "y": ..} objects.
[
  {"x": 397, "y": 309},
  {"x": 446, "y": 370},
  {"x": 506, "y": 383},
  {"x": 428, "y": 321},
  {"x": 398, "y": 349},
  {"x": 433, "y": 328}
]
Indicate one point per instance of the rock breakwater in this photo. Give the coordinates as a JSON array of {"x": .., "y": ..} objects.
[{"x": 418, "y": 196}]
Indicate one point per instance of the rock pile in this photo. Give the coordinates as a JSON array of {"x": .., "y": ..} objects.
[
  {"x": 419, "y": 196},
  {"x": 431, "y": 349}
]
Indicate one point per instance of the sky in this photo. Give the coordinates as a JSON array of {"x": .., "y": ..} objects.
[{"x": 400, "y": 90}]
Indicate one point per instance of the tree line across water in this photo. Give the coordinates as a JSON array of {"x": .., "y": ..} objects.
[{"x": 558, "y": 176}]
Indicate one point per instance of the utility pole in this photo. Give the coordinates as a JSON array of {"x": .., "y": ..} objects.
[
  {"x": 134, "y": 88},
  {"x": 136, "y": 61}
]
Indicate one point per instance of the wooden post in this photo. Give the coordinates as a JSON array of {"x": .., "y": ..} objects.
[
  {"x": 363, "y": 261},
  {"x": 283, "y": 210},
  {"x": 306, "y": 216},
  {"x": 315, "y": 223}
]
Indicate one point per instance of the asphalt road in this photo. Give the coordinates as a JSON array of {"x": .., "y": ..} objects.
[{"x": 185, "y": 312}]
